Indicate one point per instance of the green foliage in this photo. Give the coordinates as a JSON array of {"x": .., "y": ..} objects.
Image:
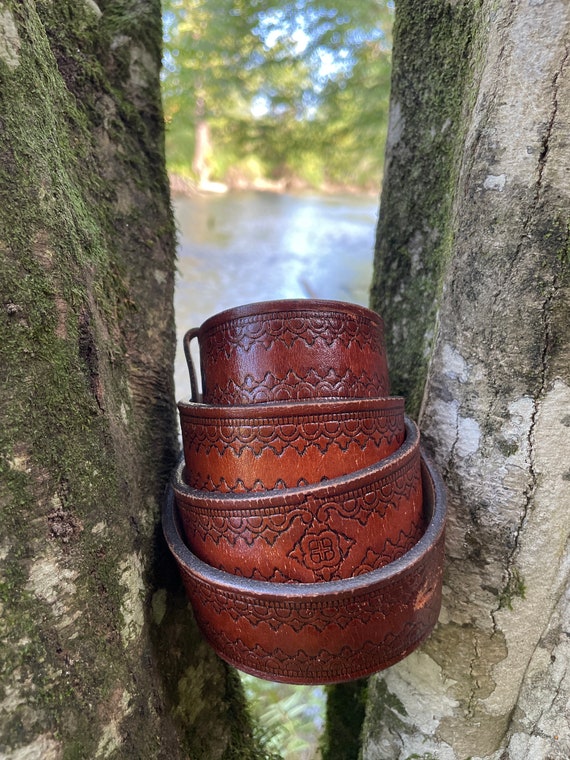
[
  {"x": 289, "y": 718},
  {"x": 300, "y": 85}
]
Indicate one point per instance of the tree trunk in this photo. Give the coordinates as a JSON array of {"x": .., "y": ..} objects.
[
  {"x": 473, "y": 271},
  {"x": 99, "y": 655},
  {"x": 202, "y": 151}
]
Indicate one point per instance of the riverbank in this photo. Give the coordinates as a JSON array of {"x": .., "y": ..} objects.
[{"x": 187, "y": 187}]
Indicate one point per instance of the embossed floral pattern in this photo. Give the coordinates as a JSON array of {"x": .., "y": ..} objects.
[
  {"x": 379, "y": 626},
  {"x": 317, "y": 613},
  {"x": 314, "y": 537},
  {"x": 297, "y": 386},
  {"x": 306, "y": 633},
  {"x": 289, "y": 327},
  {"x": 322, "y": 551},
  {"x": 298, "y": 432},
  {"x": 323, "y": 666},
  {"x": 288, "y": 446},
  {"x": 291, "y": 354}
]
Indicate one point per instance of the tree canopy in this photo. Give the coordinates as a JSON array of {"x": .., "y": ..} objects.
[{"x": 278, "y": 88}]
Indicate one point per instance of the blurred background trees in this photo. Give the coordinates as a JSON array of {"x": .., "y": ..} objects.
[{"x": 294, "y": 91}]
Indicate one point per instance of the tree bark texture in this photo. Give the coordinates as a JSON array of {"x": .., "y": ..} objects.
[
  {"x": 491, "y": 278},
  {"x": 99, "y": 653}
]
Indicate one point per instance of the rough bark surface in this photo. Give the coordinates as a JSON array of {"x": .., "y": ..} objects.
[
  {"x": 494, "y": 679},
  {"x": 435, "y": 44},
  {"x": 99, "y": 655}
]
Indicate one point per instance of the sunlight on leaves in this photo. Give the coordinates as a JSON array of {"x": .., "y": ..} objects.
[{"x": 302, "y": 86}]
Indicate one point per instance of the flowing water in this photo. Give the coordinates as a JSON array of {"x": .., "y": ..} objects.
[
  {"x": 251, "y": 246},
  {"x": 243, "y": 247}
]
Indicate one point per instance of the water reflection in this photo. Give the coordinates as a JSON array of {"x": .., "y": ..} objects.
[{"x": 251, "y": 246}]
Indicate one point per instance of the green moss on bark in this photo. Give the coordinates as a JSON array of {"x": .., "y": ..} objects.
[
  {"x": 385, "y": 713},
  {"x": 344, "y": 718},
  {"x": 54, "y": 443},
  {"x": 430, "y": 95},
  {"x": 86, "y": 391}
]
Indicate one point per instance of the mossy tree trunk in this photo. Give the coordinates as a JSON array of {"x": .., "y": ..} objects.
[
  {"x": 99, "y": 656},
  {"x": 473, "y": 275}
]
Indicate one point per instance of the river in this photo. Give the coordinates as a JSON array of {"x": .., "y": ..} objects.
[
  {"x": 241, "y": 247},
  {"x": 251, "y": 246}
]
